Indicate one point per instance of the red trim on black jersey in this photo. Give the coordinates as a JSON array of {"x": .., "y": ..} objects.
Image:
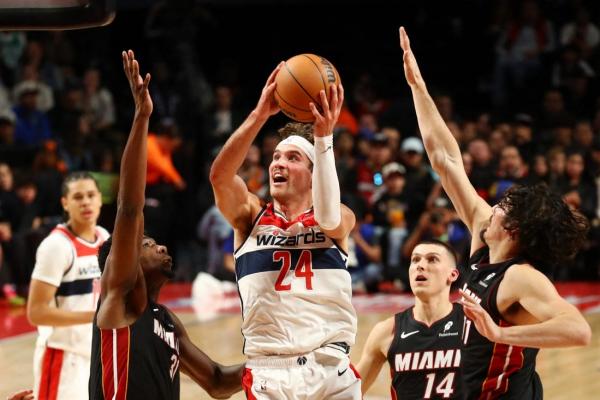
[
  {"x": 50, "y": 379},
  {"x": 247, "y": 384},
  {"x": 392, "y": 390},
  {"x": 505, "y": 361},
  {"x": 114, "y": 353}
]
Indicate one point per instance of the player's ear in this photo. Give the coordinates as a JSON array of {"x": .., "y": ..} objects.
[{"x": 454, "y": 274}]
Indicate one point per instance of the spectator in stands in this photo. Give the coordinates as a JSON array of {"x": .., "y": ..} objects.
[
  {"x": 8, "y": 209},
  {"x": 7, "y": 128},
  {"x": 578, "y": 191},
  {"x": 31, "y": 76},
  {"x": 369, "y": 178},
  {"x": 367, "y": 273},
  {"x": 581, "y": 33},
  {"x": 538, "y": 169},
  {"x": 254, "y": 174},
  {"x": 511, "y": 165},
  {"x": 97, "y": 101},
  {"x": 162, "y": 181},
  {"x": 32, "y": 126},
  {"x": 419, "y": 176},
  {"x": 224, "y": 117},
  {"x": 523, "y": 135},
  {"x": 556, "y": 165},
  {"x": 583, "y": 135},
  {"x": 523, "y": 43},
  {"x": 483, "y": 172}
]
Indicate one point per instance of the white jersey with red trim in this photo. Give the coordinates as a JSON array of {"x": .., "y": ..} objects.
[
  {"x": 71, "y": 264},
  {"x": 294, "y": 286}
]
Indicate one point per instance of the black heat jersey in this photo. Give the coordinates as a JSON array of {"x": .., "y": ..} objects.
[
  {"x": 494, "y": 370},
  {"x": 140, "y": 361},
  {"x": 425, "y": 361}
]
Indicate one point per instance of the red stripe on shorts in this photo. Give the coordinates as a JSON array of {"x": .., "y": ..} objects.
[
  {"x": 51, "y": 367},
  {"x": 505, "y": 361},
  {"x": 247, "y": 384}
]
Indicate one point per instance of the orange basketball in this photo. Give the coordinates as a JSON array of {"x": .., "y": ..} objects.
[{"x": 299, "y": 83}]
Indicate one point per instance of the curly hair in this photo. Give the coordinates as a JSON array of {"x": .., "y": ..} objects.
[
  {"x": 298, "y": 129},
  {"x": 548, "y": 231}
]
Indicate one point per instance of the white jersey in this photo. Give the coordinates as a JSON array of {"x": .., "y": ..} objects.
[
  {"x": 294, "y": 286},
  {"x": 71, "y": 264}
]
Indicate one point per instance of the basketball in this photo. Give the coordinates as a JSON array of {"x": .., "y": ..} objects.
[{"x": 299, "y": 83}]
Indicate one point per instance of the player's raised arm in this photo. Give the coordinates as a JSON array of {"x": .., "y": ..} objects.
[
  {"x": 334, "y": 219},
  {"x": 122, "y": 265},
  {"x": 442, "y": 149},
  {"x": 231, "y": 194}
]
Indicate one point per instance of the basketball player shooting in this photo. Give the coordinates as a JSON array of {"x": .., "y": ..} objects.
[
  {"x": 513, "y": 306},
  {"x": 138, "y": 345},
  {"x": 298, "y": 319},
  {"x": 421, "y": 344}
]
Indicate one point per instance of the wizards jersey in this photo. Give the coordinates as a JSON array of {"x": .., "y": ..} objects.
[{"x": 294, "y": 286}]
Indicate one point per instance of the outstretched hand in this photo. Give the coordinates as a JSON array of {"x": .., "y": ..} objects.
[
  {"x": 411, "y": 68},
  {"x": 267, "y": 105},
  {"x": 324, "y": 123},
  {"x": 139, "y": 86},
  {"x": 484, "y": 324}
]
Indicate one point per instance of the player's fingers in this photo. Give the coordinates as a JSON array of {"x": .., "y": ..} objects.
[
  {"x": 405, "y": 39},
  {"x": 124, "y": 59},
  {"x": 271, "y": 78},
  {"x": 341, "y": 95},
  {"x": 146, "y": 82},
  {"x": 270, "y": 88},
  {"x": 315, "y": 112},
  {"x": 334, "y": 99}
]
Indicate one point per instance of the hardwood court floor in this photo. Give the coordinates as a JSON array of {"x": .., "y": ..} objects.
[
  {"x": 569, "y": 374},
  {"x": 566, "y": 373}
]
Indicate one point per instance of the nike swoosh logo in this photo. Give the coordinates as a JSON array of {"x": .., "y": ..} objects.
[
  {"x": 474, "y": 267},
  {"x": 342, "y": 373},
  {"x": 405, "y": 335}
]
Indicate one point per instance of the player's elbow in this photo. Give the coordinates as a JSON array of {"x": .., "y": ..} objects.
[
  {"x": 34, "y": 314},
  {"x": 218, "y": 391},
  {"x": 216, "y": 175},
  {"x": 583, "y": 334}
]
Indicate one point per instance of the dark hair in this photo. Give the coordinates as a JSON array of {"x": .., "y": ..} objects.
[
  {"x": 76, "y": 176},
  {"x": 548, "y": 231},
  {"x": 445, "y": 245},
  {"x": 298, "y": 129},
  {"x": 103, "y": 253}
]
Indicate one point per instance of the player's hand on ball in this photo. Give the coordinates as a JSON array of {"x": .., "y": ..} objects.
[
  {"x": 324, "y": 123},
  {"x": 267, "y": 105}
]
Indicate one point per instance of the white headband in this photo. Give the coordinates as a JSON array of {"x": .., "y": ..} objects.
[{"x": 303, "y": 144}]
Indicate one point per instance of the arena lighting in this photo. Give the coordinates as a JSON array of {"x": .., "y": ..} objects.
[{"x": 55, "y": 14}]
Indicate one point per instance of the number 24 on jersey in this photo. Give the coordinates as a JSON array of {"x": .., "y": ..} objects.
[{"x": 303, "y": 269}]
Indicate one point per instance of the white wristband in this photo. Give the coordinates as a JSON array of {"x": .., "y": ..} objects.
[{"x": 326, "y": 187}]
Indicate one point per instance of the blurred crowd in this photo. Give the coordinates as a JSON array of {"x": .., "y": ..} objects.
[{"x": 527, "y": 112}]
